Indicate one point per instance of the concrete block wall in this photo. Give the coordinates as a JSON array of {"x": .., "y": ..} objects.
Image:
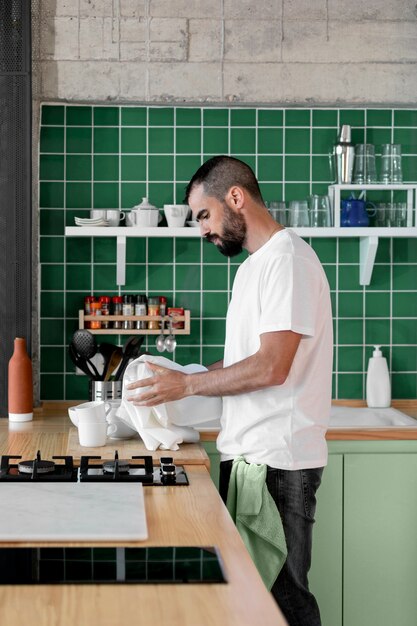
[{"x": 223, "y": 51}]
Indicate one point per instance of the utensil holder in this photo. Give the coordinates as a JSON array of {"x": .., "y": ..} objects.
[{"x": 105, "y": 389}]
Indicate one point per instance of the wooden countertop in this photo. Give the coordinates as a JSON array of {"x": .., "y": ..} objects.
[{"x": 180, "y": 516}]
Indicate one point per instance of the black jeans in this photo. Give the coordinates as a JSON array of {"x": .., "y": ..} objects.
[{"x": 294, "y": 494}]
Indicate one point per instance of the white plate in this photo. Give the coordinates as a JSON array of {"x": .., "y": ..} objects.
[{"x": 192, "y": 223}]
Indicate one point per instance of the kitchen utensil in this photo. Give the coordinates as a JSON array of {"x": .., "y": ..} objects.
[
  {"x": 80, "y": 362},
  {"x": 86, "y": 347},
  {"x": 113, "y": 363},
  {"x": 106, "y": 350},
  {"x": 170, "y": 342},
  {"x": 160, "y": 342},
  {"x": 130, "y": 349}
]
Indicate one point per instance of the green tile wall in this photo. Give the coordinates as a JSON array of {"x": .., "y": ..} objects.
[{"x": 111, "y": 156}]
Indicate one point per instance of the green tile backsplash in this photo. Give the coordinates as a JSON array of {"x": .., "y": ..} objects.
[{"x": 111, "y": 156}]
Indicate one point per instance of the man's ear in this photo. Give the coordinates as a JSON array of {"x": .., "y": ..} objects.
[{"x": 235, "y": 198}]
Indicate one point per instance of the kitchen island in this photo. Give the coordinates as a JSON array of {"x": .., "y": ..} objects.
[{"x": 192, "y": 515}]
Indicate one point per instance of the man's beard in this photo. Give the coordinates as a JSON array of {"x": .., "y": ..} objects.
[{"x": 234, "y": 234}]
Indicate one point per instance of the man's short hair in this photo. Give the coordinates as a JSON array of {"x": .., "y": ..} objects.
[{"x": 220, "y": 173}]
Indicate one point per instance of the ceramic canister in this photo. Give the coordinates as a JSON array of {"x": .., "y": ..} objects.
[{"x": 20, "y": 389}]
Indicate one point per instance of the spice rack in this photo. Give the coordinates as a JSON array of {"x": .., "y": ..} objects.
[{"x": 82, "y": 318}]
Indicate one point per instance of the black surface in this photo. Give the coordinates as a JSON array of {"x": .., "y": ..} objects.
[
  {"x": 111, "y": 565},
  {"x": 15, "y": 182}
]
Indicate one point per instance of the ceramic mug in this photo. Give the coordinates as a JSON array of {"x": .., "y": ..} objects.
[
  {"x": 114, "y": 216},
  {"x": 123, "y": 431},
  {"x": 176, "y": 214},
  {"x": 95, "y": 411},
  {"x": 94, "y": 434}
]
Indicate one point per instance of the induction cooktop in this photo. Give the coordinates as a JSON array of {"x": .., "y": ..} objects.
[{"x": 113, "y": 565}]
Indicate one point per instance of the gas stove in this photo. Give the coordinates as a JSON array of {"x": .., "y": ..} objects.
[{"x": 62, "y": 469}]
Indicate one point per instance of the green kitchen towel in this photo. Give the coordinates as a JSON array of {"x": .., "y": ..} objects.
[{"x": 257, "y": 518}]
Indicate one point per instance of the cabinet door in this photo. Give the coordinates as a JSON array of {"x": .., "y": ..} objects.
[
  {"x": 380, "y": 545},
  {"x": 326, "y": 568}
]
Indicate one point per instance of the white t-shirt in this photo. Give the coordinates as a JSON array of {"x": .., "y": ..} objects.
[{"x": 281, "y": 286}]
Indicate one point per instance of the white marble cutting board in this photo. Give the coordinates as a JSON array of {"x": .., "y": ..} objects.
[{"x": 72, "y": 512}]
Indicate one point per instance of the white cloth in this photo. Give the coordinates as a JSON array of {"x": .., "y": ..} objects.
[
  {"x": 281, "y": 286},
  {"x": 166, "y": 425}
]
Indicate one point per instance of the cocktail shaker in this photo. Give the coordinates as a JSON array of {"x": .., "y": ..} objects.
[{"x": 343, "y": 156}]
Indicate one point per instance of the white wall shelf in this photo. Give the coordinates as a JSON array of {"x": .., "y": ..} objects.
[{"x": 369, "y": 237}]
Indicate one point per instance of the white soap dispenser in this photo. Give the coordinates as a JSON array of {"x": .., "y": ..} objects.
[{"x": 378, "y": 385}]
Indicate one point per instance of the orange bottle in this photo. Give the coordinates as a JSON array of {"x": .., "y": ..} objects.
[{"x": 20, "y": 384}]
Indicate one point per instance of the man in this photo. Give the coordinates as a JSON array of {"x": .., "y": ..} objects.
[{"x": 275, "y": 377}]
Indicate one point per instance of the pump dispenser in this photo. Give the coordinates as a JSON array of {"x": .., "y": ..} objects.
[{"x": 378, "y": 385}]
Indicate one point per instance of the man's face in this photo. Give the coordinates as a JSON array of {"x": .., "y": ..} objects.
[{"x": 219, "y": 224}]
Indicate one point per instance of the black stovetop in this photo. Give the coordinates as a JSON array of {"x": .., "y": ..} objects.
[{"x": 63, "y": 469}]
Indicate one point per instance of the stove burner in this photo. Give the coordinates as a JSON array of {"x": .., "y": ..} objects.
[
  {"x": 37, "y": 469},
  {"x": 135, "y": 469},
  {"x": 43, "y": 467},
  {"x": 110, "y": 466}
]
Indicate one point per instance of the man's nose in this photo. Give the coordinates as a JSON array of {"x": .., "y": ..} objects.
[{"x": 204, "y": 228}]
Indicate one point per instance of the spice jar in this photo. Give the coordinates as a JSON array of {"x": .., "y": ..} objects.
[
  {"x": 117, "y": 310},
  {"x": 128, "y": 309},
  {"x": 95, "y": 310},
  {"x": 87, "y": 308},
  {"x": 162, "y": 310},
  {"x": 105, "y": 310},
  {"x": 141, "y": 309},
  {"x": 176, "y": 311},
  {"x": 153, "y": 309}
]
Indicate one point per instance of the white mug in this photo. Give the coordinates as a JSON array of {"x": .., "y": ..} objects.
[
  {"x": 114, "y": 216},
  {"x": 94, "y": 434},
  {"x": 98, "y": 213},
  {"x": 123, "y": 431},
  {"x": 176, "y": 214},
  {"x": 95, "y": 411}
]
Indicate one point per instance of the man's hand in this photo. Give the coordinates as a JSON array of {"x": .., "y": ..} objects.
[{"x": 165, "y": 385}]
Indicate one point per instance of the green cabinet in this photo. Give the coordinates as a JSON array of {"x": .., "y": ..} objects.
[
  {"x": 364, "y": 565},
  {"x": 326, "y": 574},
  {"x": 214, "y": 456},
  {"x": 364, "y": 561}
]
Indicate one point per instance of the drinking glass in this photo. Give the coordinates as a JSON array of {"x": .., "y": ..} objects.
[
  {"x": 320, "y": 211},
  {"x": 278, "y": 211},
  {"x": 400, "y": 218},
  {"x": 380, "y": 215},
  {"x": 298, "y": 213},
  {"x": 364, "y": 169},
  {"x": 391, "y": 166}
]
